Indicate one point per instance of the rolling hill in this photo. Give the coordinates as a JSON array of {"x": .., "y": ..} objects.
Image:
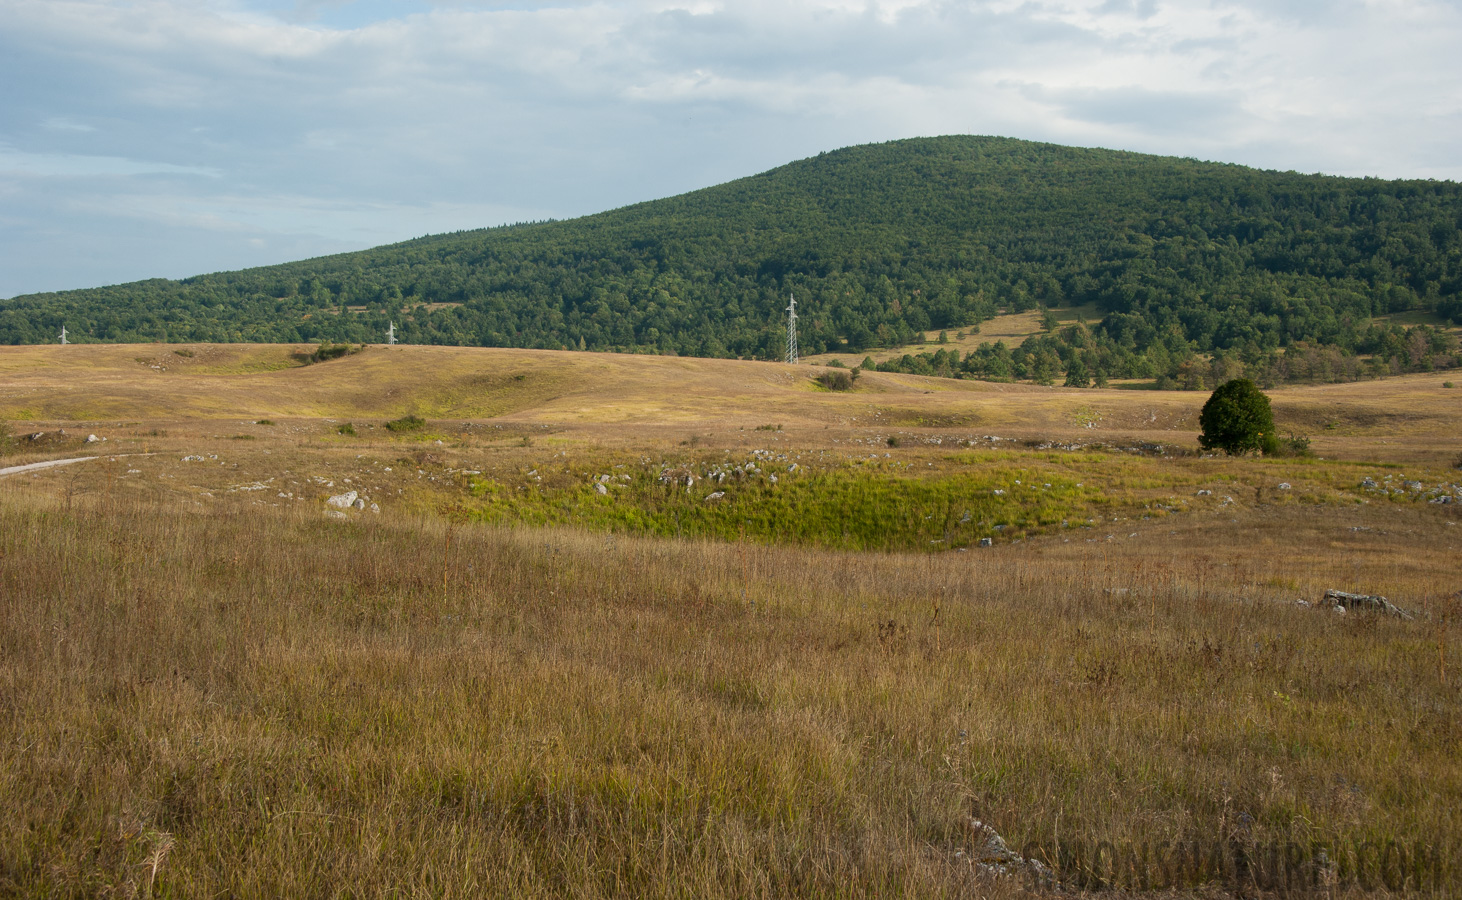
[{"x": 880, "y": 243}]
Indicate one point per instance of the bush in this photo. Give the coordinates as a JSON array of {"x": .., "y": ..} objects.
[
  {"x": 348, "y": 429},
  {"x": 328, "y": 351},
  {"x": 1237, "y": 418},
  {"x": 1295, "y": 445},
  {"x": 406, "y": 423},
  {"x": 7, "y": 440},
  {"x": 836, "y": 380}
]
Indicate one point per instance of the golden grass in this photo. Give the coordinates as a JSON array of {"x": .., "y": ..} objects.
[
  {"x": 302, "y": 706},
  {"x": 208, "y": 688}
]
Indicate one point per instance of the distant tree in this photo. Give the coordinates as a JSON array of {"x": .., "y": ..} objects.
[
  {"x": 1237, "y": 419},
  {"x": 1076, "y": 373}
]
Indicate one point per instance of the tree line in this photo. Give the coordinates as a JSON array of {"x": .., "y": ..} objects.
[{"x": 879, "y": 243}]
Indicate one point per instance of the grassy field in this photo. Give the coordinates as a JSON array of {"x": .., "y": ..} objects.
[{"x": 549, "y": 665}]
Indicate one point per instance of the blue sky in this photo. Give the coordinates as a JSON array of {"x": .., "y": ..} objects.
[{"x": 147, "y": 138}]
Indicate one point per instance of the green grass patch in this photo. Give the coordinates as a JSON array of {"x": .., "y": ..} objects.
[{"x": 853, "y": 507}]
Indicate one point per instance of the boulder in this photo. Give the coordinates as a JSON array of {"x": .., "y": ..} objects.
[
  {"x": 1344, "y": 600},
  {"x": 343, "y": 501}
]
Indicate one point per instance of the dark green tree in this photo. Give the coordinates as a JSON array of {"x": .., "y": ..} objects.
[
  {"x": 1076, "y": 373},
  {"x": 1237, "y": 419}
]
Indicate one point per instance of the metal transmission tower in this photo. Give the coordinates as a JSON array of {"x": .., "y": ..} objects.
[
  {"x": 63, "y": 336},
  {"x": 792, "y": 331},
  {"x": 391, "y": 334}
]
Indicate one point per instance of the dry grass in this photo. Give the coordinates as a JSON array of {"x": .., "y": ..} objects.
[
  {"x": 207, "y": 688},
  {"x": 299, "y": 706}
]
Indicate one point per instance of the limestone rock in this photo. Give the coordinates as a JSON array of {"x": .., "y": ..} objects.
[
  {"x": 1344, "y": 600},
  {"x": 343, "y": 501}
]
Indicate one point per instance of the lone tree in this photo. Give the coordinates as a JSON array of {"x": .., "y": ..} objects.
[{"x": 1237, "y": 418}]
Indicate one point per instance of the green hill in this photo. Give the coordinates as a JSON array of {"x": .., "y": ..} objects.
[{"x": 879, "y": 243}]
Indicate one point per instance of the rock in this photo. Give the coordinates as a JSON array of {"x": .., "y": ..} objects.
[
  {"x": 1205, "y": 493},
  {"x": 1343, "y": 600},
  {"x": 359, "y": 503},
  {"x": 601, "y": 489},
  {"x": 343, "y": 501},
  {"x": 335, "y": 514},
  {"x": 375, "y": 507},
  {"x": 992, "y": 856},
  {"x": 1368, "y": 482},
  {"x": 716, "y": 496},
  {"x": 92, "y": 439},
  {"x": 987, "y": 542},
  {"x": 1284, "y": 485}
]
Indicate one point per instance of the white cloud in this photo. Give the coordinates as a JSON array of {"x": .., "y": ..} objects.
[{"x": 368, "y": 120}]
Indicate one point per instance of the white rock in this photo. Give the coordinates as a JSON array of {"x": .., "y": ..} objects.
[
  {"x": 359, "y": 503},
  {"x": 1284, "y": 485},
  {"x": 601, "y": 489},
  {"x": 343, "y": 501},
  {"x": 92, "y": 439},
  {"x": 716, "y": 496}
]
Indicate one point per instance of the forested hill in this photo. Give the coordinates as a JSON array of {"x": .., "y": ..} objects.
[{"x": 878, "y": 242}]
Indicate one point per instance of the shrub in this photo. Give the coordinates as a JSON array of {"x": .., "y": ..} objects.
[
  {"x": 835, "y": 364},
  {"x": 1446, "y": 384},
  {"x": 406, "y": 423},
  {"x": 265, "y": 422},
  {"x": 1295, "y": 445},
  {"x": 328, "y": 351},
  {"x": 836, "y": 380},
  {"x": 1237, "y": 418},
  {"x": 7, "y": 440},
  {"x": 348, "y": 429}
]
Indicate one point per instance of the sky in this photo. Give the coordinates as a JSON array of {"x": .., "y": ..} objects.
[{"x": 167, "y": 138}]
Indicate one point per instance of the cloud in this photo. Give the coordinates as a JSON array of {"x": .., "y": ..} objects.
[{"x": 367, "y": 120}]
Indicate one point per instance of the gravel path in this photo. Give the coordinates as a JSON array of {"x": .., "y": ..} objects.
[{"x": 32, "y": 467}]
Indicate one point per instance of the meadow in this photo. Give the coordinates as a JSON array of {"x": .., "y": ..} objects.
[{"x": 508, "y": 682}]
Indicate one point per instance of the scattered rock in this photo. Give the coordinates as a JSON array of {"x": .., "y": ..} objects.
[
  {"x": 987, "y": 542},
  {"x": 992, "y": 856},
  {"x": 335, "y": 514},
  {"x": 1284, "y": 485},
  {"x": 601, "y": 489},
  {"x": 375, "y": 507},
  {"x": 92, "y": 439},
  {"x": 1205, "y": 493},
  {"x": 343, "y": 501},
  {"x": 1344, "y": 600},
  {"x": 359, "y": 503},
  {"x": 716, "y": 495}
]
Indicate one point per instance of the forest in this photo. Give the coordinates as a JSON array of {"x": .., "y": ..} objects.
[{"x": 1193, "y": 266}]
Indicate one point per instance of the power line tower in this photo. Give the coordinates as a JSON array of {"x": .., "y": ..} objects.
[
  {"x": 792, "y": 331},
  {"x": 391, "y": 334},
  {"x": 63, "y": 336}
]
